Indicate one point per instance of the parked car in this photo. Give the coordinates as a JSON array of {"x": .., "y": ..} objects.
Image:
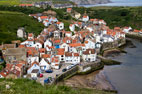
[
  {"x": 49, "y": 71},
  {"x": 46, "y": 81},
  {"x": 41, "y": 75},
  {"x": 64, "y": 70},
  {"x": 68, "y": 67}
]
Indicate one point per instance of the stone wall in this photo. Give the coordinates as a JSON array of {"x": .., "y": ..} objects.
[
  {"x": 66, "y": 74},
  {"x": 115, "y": 44}
]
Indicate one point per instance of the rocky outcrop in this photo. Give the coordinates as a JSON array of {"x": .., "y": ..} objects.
[{"x": 91, "y": 2}]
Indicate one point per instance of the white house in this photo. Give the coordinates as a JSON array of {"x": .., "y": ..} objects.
[
  {"x": 72, "y": 58},
  {"x": 60, "y": 25},
  {"x": 127, "y": 29},
  {"x": 35, "y": 73},
  {"x": 102, "y": 22},
  {"x": 68, "y": 34},
  {"x": 68, "y": 57},
  {"x": 34, "y": 65},
  {"x": 89, "y": 55},
  {"x": 77, "y": 15},
  {"x": 28, "y": 43},
  {"x": 42, "y": 18},
  {"x": 47, "y": 56},
  {"x": 53, "y": 19},
  {"x": 65, "y": 46},
  {"x": 44, "y": 64},
  {"x": 89, "y": 44},
  {"x": 21, "y": 33},
  {"x": 72, "y": 27},
  {"x": 76, "y": 58},
  {"x": 47, "y": 42},
  {"x": 61, "y": 54},
  {"x": 85, "y": 18},
  {"x": 55, "y": 63},
  {"x": 46, "y": 23},
  {"x": 31, "y": 36}
]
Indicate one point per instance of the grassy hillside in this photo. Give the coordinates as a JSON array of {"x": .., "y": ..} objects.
[
  {"x": 11, "y": 21},
  {"x": 9, "y": 2},
  {"x": 17, "y": 2},
  {"x": 116, "y": 16},
  {"x": 25, "y": 86}
]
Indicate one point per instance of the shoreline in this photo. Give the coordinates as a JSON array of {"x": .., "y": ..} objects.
[{"x": 97, "y": 78}]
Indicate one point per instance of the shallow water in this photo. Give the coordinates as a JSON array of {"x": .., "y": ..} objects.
[
  {"x": 119, "y": 3},
  {"x": 127, "y": 77}
]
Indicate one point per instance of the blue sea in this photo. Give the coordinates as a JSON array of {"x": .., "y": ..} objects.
[{"x": 119, "y": 3}]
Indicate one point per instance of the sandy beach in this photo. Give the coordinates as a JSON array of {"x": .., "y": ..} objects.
[{"x": 94, "y": 80}]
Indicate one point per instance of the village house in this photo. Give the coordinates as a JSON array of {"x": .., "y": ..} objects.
[
  {"x": 60, "y": 25},
  {"x": 72, "y": 58},
  {"x": 69, "y": 10},
  {"x": 85, "y": 18},
  {"x": 61, "y": 54},
  {"x": 44, "y": 64},
  {"x": 21, "y": 33},
  {"x": 77, "y": 15},
  {"x": 89, "y": 55},
  {"x": 33, "y": 66},
  {"x": 55, "y": 62},
  {"x": 32, "y": 55},
  {"x": 42, "y": 18},
  {"x": 14, "y": 54},
  {"x": 72, "y": 27}
]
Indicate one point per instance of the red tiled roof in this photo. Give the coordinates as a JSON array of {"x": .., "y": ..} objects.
[
  {"x": 136, "y": 30},
  {"x": 30, "y": 35},
  {"x": 59, "y": 22},
  {"x": 4, "y": 74},
  {"x": 76, "y": 54},
  {"x": 22, "y": 46},
  {"x": 46, "y": 56},
  {"x": 69, "y": 9},
  {"x": 84, "y": 16},
  {"x": 26, "y": 5},
  {"x": 42, "y": 50},
  {"x": 75, "y": 44},
  {"x": 43, "y": 17},
  {"x": 60, "y": 51},
  {"x": 55, "y": 59}
]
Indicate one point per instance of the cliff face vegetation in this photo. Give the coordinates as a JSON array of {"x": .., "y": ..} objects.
[{"x": 84, "y": 2}]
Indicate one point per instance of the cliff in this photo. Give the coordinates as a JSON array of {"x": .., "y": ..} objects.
[{"x": 91, "y": 2}]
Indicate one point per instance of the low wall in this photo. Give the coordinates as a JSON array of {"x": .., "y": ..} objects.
[
  {"x": 79, "y": 70},
  {"x": 66, "y": 74},
  {"x": 89, "y": 67},
  {"x": 134, "y": 36}
]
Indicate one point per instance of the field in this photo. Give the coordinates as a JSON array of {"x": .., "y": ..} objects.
[
  {"x": 11, "y": 21},
  {"x": 9, "y": 2},
  {"x": 25, "y": 86},
  {"x": 17, "y": 2}
]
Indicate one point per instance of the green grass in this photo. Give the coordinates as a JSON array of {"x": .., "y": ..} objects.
[
  {"x": 25, "y": 86},
  {"x": 9, "y": 2},
  {"x": 17, "y": 2},
  {"x": 11, "y": 21}
]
